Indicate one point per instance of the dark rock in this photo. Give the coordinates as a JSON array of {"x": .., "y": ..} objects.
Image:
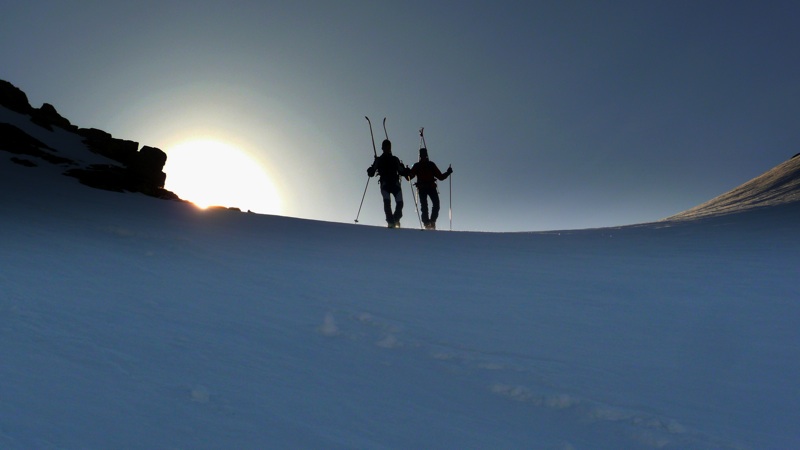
[
  {"x": 103, "y": 143},
  {"x": 47, "y": 116},
  {"x": 146, "y": 170},
  {"x": 14, "y": 140},
  {"x": 138, "y": 170},
  {"x": 23, "y": 162},
  {"x": 117, "y": 179},
  {"x": 166, "y": 195},
  {"x": 13, "y": 98},
  {"x": 101, "y": 176},
  {"x": 143, "y": 174},
  {"x": 224, "y": 208},
  {"x": 93, "y": 134},
  {"x": 119, "y": 150},
  {"x": 152, "y": 158}
]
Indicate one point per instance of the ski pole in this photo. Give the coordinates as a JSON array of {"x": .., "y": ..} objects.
[
  {"x": 362, "y": 199},
  {"x": 384, "y": 128},
  {"x": 451, "y": 199},
  {"x": 450, "y": 209},
  {"x": 416, "y": 206}
]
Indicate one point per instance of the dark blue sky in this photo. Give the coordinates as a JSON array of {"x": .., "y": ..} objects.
[{"x": 553, "y": 114}]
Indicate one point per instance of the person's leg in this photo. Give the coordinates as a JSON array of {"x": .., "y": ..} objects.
[
  {"x": 387, "y": 206},
  {"x": 398, "y": 207},
  {"x": 423, "y": 203},
  {"x": 435, "y": 203}
]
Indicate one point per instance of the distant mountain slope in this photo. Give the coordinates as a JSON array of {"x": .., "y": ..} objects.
[{"x": 778, "y": 186}]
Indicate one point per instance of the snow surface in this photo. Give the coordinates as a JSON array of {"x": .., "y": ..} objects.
[{"x": 132, "y": 322}]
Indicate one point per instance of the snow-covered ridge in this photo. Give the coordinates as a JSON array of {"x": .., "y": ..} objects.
[{"x": 778, "y": 186}]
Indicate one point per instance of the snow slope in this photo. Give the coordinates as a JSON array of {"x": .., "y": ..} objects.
[
  {"x": 131, "y": 322},
  {"x": 778, "y": 186}
]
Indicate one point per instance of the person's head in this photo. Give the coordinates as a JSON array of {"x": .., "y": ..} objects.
[
  {"x": 423, "y": 154},
  {"x": 386, "y": 146}
]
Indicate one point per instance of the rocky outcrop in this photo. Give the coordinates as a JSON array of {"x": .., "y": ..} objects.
[
  {"x": 13, "y": 98},
  {"x": 141, "y": 172},
  {"x": 103, "y": 143},
  {"x": 47, "y": 117},
  {"x": 147, "y": 170},
  {"x": 136, "y": 170}
]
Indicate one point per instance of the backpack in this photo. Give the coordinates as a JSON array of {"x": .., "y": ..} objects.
[
  {"x": 388, "y": 168},
  {"x": 425, "y": 172}
]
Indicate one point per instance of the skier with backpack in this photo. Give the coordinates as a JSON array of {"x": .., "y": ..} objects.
[
  {"x": 389, "y": 169},
  {"x": 427, "y": 173}
]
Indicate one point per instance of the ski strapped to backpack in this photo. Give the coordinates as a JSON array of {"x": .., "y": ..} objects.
[{"x": 375, "y": 152}]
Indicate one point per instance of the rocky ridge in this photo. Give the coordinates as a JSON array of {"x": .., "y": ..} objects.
[{"x": 126, "y": 167}]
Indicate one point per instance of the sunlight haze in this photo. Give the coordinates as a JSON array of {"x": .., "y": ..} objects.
[{"x": 211, "y": 173}]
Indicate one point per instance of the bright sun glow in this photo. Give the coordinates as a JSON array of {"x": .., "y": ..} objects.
[{"x": 211, "y": 173}]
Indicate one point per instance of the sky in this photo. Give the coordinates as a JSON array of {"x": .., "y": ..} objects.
[{"x": 553, "y": 115}]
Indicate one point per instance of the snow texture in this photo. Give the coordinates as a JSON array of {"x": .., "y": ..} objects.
[
  {"x": 779, "y": 186},
  {"x": 131, "y": 322}
]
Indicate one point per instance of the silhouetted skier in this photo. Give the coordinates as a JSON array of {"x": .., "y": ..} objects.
[
  {"x": 427, "y": 173},
  {"x": 390, "y": 169}
]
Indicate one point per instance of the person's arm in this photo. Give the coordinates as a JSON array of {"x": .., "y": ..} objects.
[
  {"x": 413, "y": 171},
  {"x": 438, "y": 173},
  {"x": 402, "y": 169}
]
